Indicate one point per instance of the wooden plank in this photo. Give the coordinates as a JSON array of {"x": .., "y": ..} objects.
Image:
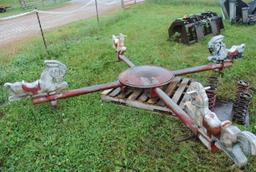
[
  {"x": 125, "y": 92},
  {"x": 122, "y": 94},
  {"x": 144, "y": 96},
  {"x": 129, "y": 92},
  {"x": 135, "y": 94},
  {"x": 153, "y": 100},
  {"x": 180, "y": 90},
  {"x": 136, "y": 104},
  {"x": 191, "y": 80},
  {"x": 115, "y": 92},
  {"x": 171, "y": 88},
  {"x": 106, "y": 92},
  {"x": 139, "y": 98}
]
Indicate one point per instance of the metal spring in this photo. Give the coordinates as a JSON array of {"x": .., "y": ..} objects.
[
  {"x": 242, "y": 87},
  {"x": 213, "y": 82},
  {"x": 240, "y": 108},
  {"x": 212, "y": 92}
]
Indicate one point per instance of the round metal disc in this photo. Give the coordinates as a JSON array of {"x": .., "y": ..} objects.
[{"x": 145, "y": 77}]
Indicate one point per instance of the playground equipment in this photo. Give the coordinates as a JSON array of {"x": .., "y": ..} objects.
[{"x": 189, "y": 104}]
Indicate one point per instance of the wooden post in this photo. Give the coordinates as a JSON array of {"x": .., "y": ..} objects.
[
  {"x": 42, "y": 32},
  {"x": 122, "y": 3},
  {"x": 97, "y": 12}
]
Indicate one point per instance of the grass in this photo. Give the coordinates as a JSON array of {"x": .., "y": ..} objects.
[
  {"x": 15, "y": 7},
  {"x": 86, "y": 134}
]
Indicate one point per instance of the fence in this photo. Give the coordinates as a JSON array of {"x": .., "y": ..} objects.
[
  {"x": 28, "y": 4},
  {"x": 27, "y": 24}
]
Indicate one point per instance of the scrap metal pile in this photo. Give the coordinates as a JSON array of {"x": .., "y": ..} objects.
[
  {"x": 237, "y": 11},
  {"x": 194, "y": 110},
  {"x": 189, "y": 30}
]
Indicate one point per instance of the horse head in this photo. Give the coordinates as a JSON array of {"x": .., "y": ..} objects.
[
  {"x": 118, "y": 42},
  {"x": 52, "y": 78}
]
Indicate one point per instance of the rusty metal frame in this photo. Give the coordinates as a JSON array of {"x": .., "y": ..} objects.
[
  {"x": 189, "y": 30},
  {"x": 76, "y": 92}
]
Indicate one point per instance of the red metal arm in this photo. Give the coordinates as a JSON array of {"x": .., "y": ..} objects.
[
  {"x": 176, "y": 109},
  {"x": 76, "y": 92},
  {"x": 203, "y": 68},
  {"x": 126, "y": 60}
]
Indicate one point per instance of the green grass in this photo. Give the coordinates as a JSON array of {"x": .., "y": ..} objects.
[
  {"x": 15, "y": 7},
  {"x": 86, "y": 134}
]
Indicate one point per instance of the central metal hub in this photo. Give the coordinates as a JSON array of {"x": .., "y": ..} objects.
[{"x": 146, "y": 77}]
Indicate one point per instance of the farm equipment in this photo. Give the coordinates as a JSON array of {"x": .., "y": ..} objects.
[
  {"x": 237, "y": 11},
  {"x": 156, "y": 82},
  {"x": 189, "y": 30}
]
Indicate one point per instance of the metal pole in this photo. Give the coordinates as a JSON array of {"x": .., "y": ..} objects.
[
  {"x": 122, "y": 3},
  {"x": 181, "y": 114},
  {"x": 96, "y": 6},
  {"x": 126, "y": 60},
  {"x": 218, "y": 67},
  {"x": 42, "y": 32},
  {"x": 77, "y": 92}
]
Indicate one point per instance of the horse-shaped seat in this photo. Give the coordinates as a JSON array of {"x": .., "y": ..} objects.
[{"x": 50, "y": 82}]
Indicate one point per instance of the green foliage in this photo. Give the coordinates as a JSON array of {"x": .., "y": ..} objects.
[{"x": 86, "y": 134}]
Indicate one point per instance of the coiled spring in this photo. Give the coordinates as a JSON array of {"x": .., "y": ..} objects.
[
  {"x": 212, "y": 92},
  {"x": 243, "y": 100}
]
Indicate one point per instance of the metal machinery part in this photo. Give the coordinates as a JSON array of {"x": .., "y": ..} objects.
[
  {"x": 241, "y": 105},
  {"x": 239, "y": 11},
  {"x": 189, "y": 30},
  {"x": 193, "y": 112},
  {"x": 146, "y": 77},
  {"x": 220, "y": 53},
  {"x": 212, "y": 95},
  {"x": 212, "y": 92},
  {"x": 242, "y": 87},
  {"x": 213, "y": 82}
]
